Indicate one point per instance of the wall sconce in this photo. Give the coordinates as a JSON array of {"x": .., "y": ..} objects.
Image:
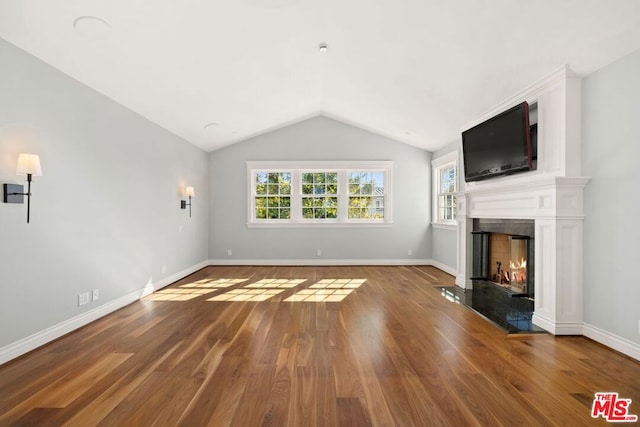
[
  {"x": 183, "y": 203},
  {"x": 29, "y": 165}
]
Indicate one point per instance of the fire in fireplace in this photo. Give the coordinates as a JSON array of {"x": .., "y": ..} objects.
[
  {"x": 509, "y": 255},
  {"x": 504, "y": 258}
]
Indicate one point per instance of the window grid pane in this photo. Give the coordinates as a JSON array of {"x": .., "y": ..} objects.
[
  {"x": 319, "y": 195},
  {"x": 448, "y": 180},
  {"x": 366, "y": 195},
  {"x": 447, "y": 185},
  {"x": 273, "y": 195}
]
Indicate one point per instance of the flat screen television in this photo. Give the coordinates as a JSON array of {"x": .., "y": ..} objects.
[{"x": 498, "y": 146}]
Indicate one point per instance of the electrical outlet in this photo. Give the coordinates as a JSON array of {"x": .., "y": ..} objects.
[
  {"x": 95, "y": 295},
  {"x": 319, "y": 252},
  {"x": 229, "y": 252},
  {"x": 83, "y": 298},
  {"x": 410, "y": 252}
]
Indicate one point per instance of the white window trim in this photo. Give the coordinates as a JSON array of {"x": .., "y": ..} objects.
[
  {"x": 436, "y": 164},
  {"x": 342, "y": 167}
]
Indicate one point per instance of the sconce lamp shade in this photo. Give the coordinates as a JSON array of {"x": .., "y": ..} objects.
[
  {"x": 189, "y": 192},
  {"x": 29, "y": 164}
]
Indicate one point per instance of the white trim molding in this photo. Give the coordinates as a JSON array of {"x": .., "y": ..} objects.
[
  {"x": 440, "y": 266},
  {"x": 551, "y": 195},
  {"x": 617, "y": 343},
  {"x": 151, "y": 287},
  {"x": 451, "y": 158},
  {"x": 322, "y": 262},
  {"x": 45, "y": 336},
  {"x": 440, "y": 226},
  {"x": 555, "y": 205},
  {"x": 25, "y": 345}
]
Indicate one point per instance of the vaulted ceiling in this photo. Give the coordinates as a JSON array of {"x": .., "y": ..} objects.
[{"x": 219, "y": 71}]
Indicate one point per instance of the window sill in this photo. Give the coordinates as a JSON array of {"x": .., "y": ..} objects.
[
  {"x": 444, "y": 226},
  {"x": 319, "y": 225}
]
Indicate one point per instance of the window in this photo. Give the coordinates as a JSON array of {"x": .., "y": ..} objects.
[
  {"x": 335, "y": 194},
  {"x": 366, "y": 195},
  {"x": 320, "y": 195},
  {"x": 445, "y": 184},
  {"x": 273, "y": 195}
]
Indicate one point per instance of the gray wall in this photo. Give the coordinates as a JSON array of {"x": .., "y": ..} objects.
[
  {"x": 445, "y": 247},
  {"x": 320, "y": 138},
  {"x": 610, "y": 155},
  {"x": 444, "y": 243},
  {"x": 105, "y": 215}
]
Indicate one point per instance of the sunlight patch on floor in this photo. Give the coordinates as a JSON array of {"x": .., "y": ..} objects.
[
  {"x": 247, "y": 295},
  {"x": 261, "y": 290},
  {"x": 210, "y": 283},
  {"x": 338, "y": 284},
  {"x": 327, "y": 290},
  {"x": 177, "y": 294},
  {"x": 276, "y": 283}
]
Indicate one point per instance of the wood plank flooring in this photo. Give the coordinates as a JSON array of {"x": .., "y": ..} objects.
[{"x": 340, "y": 346}]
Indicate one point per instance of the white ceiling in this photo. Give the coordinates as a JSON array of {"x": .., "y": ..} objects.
[{"x": 413, "y": 70}]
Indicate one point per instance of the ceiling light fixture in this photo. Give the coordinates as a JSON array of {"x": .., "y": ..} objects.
[
  {"x": 91, "y": 26},
  {"x": 323, "y": 47}
]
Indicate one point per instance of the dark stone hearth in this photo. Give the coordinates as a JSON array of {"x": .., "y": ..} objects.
[{"x": 511, "y": 313}]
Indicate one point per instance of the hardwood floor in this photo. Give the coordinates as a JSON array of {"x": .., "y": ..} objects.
[{"x": 389, "y": 350}]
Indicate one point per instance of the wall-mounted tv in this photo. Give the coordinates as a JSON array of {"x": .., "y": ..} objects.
[{"x": 498, "y": 146}]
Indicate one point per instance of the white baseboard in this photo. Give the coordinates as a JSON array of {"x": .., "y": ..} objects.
[
  {"x": 152, "y": 287},
  {"x": 569, "y": 328},
  {"x": 447, "y": 269},
  {"x": 464, "y": 283},
  {"x": 615, "y": 342},
  {"x": 557, "y": 328},
  {"x": 606, "y": 338},
  {"x": 330, "y": 262},
  {"x": 47, "y": 335}
]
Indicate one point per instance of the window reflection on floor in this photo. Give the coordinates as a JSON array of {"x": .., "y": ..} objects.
[
  {"x": 450, "y": 295},
  {"x": 325, "y": 290},
  {"x": 177, "y": 294},
  {"x": 210, "y": 283},
  {"x": 261, "y": 290},
  {"x": 247, "y": 295},
  {"x": 338, "y": 283},
  {"x": 276, "y": 283}
]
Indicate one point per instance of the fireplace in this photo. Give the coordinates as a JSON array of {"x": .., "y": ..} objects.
[{"x": 503, "y": 253}]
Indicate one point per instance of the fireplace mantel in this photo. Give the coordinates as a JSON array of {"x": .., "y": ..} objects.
[
  {"x": 555, "y": 205},
  {"x": 546, "y": 197},
  {"x": 552, "y": 196}
]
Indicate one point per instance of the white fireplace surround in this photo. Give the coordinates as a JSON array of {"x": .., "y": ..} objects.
[{"x": 552, "y": 196}]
